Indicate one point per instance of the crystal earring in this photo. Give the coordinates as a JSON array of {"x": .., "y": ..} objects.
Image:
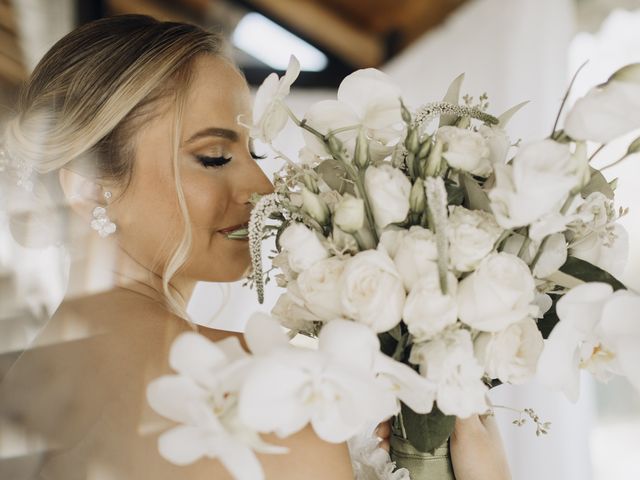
[{"x": 101, "y": 222}]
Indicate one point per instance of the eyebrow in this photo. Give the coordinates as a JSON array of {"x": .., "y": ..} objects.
[{"x": 214, "y": 132}]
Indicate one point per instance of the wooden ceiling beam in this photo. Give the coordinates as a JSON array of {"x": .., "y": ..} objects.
[
  {"x": 325, "y": 28},
  {"x": 7, "y": 21},
  {"x": 14, "y": 72},
  {"x": 145, "y": 7},
  {"x": 9, "y": 46}
]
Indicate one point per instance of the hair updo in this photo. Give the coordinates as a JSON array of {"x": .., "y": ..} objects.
[{"x": 80, "y": 109}]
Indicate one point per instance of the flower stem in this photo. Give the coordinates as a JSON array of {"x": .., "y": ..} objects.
[
  {"x": 596, "y": 152},
  {"x": 358, "y": 179},
  {"x": 545, "y": 240},
  {"x": 525, "y": 244},
  {"x": 303, "y": 123},
  {"x": 566, "y": 96}
]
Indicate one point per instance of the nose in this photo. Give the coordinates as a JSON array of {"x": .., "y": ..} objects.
[{"x": 253, "y": 181}]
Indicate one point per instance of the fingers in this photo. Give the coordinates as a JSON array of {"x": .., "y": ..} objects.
[
  {"x": 384, "y": 444},
  {"x": 383, "y": 432},
  {"x": 467, "y": 427}
]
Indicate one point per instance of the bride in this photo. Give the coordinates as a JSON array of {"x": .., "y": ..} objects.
[{"x": 127, "y": 137}]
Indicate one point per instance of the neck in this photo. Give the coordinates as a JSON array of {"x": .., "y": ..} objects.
[{"x": 115, "y": 268}]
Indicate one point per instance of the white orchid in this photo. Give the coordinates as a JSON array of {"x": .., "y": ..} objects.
[
  {"x": 599, "y": 330},
  {"x": 340, "y": 388},
  {"x": 202, "y": 397},
  {"x": 609, "y": 110},
  {"x": 369, "y": 101},
  {"x": 270, "y": 115}
]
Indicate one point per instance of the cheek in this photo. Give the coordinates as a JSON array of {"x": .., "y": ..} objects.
[
  {"x": 149, "y": 219},
  {"x": 207, "y": 198}
]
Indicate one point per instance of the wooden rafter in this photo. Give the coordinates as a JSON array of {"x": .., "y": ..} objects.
[
  {"x": 328, "y": 29},
  {"x": 12, "y": 68}
]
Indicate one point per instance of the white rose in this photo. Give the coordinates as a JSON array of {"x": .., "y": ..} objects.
[
  {"x": 303, "y": 246},
  {"x": 372, "y": 291},
  {"x": 511, "y": 355},
  {"x": 500, "y": 292},
  {"x": 291, "y": 312},
  {"x": 349, "y": 214},
  {"x": 472, "y": 236},
  {"x": 416, "y": 255},
  {"x": 534, "y": 185},
  {"x": 388, "y": 190},
  {"x": 553, "y": 256},
  {"x": 465, "y": 150},
  {"x": 390, "y": 240},
  {"x": 498, "y": 143},
  {"x": 427, "y": 310},
  {"x": 449, "y": 361},
  {"x": 319, "y": 287}
]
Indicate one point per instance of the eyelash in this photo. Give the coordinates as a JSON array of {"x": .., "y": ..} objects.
[{"x": 219, "y": 162}]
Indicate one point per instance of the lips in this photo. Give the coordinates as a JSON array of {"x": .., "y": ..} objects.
[{"x": 233, "y": 228}]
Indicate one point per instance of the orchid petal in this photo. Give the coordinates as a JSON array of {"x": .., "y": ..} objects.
[
  {"x": 185, "y": 444},
  {"x": 241, "y": 462},
  {"x": 264, "y": 96},
  {"x": 350, "y": 342},
  {"x": 177, "y": 398},
  {"x": 326, "y": 116},
  {"x": 373, "y": 96},
  {"x": 283, "y": 409},
  {"x": 263, "y": 334},
  {"x": 290, "y": 76},
  {"x": 582, "y": 306},
  {"x": 197, "y": 357},
  {"x": 558, "y": 365},
  {"x": 414, "y": 390}
]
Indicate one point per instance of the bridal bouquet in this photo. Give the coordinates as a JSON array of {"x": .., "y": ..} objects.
[{"x": 431, "y": 257}]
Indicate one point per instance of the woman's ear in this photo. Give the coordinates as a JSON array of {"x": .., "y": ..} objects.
[{"x": 82, "y": 193}]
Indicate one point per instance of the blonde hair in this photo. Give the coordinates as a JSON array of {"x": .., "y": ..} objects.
[{"x": 89, "y": 95}]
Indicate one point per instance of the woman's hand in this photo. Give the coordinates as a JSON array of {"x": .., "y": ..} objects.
[
  {"x": 476, "y": 450},
  {"x": 383, "y": 432}
]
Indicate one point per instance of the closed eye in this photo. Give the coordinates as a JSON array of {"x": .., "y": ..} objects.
[
  {"x": 217, "y": 162},
  {"x": 213, "y": 162}
]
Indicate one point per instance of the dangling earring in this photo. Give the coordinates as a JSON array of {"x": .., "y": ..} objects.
[{"x": 101, "y": 222}]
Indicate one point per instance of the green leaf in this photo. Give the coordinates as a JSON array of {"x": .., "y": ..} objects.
[
  {"x": 629, "y": 73},
  {"x": 426, "y": 432},
  {"x": 588, "y": 272},
  {"x": 452, "y": 96},
  {"x": 334, "y": 174},
  {"x": 476, "y": 198},
  {"x": 597, "y": 184},
  {"x": 506, "y": 116},
  {"x": 550, "y": 318},
  {"x": 387, "y": 343},
  {"x": 455, "y": 194},
  {"x": 634, "y": 147}
]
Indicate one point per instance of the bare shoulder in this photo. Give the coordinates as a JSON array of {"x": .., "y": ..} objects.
[{"x": 98, "y": 354}]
